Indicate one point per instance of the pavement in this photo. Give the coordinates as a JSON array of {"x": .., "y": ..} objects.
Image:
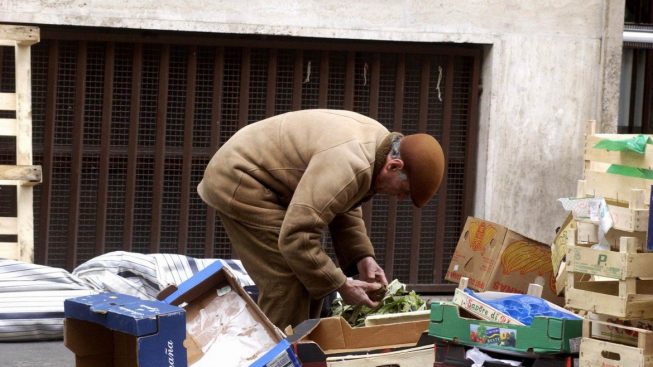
[{"x": 33, "y": 354}]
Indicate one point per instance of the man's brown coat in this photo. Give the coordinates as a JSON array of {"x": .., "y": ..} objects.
[{"x": 299, "y": 173}]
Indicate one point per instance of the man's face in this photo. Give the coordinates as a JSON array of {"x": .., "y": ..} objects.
[{"x": 393, "y": 181}]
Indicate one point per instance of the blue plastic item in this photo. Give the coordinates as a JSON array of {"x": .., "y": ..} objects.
[{"x": 523, "y": 307}]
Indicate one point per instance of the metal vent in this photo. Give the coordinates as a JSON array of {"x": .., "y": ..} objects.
[{"x": 125, "y": 122}]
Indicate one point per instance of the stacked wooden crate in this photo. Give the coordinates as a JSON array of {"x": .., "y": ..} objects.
[
  {"x": 23, "y": 174},
  {"x": 612, "y": 284}
]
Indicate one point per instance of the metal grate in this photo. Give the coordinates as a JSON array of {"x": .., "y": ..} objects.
[{"x": 124, "y": 124}]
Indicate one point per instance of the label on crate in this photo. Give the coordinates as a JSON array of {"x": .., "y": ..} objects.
[
  {"x": 480, "y": 309},
  {"x": 596, "y": 262},
  {"x": 483, "y": 334}
]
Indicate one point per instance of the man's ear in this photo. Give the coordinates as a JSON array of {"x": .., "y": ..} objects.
[{"x": 394, "y": 164}]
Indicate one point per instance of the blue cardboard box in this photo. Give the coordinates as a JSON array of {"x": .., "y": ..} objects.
[
  {"x": 224, "y": 325},
  {"x": 110, "y": 330}
]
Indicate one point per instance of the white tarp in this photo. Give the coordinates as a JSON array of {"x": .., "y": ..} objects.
[{"x": 32, "y": 296}]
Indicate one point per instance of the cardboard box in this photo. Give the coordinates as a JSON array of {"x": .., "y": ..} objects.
[
  {"x": 544, "y": 335},
  {"x": 494, "y": 258},
  {"x": 327, "y": 341},
  {"x": 116, "y": 330},
  {"x": 224, "y": 324}
]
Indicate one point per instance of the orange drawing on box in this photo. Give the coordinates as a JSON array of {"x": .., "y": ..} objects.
[
  {"x": 481, "y": 234},
  {"x": 522, "y": 257},
  {"x": 525, "y": 258}
]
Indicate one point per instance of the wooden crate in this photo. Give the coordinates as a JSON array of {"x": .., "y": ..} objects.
[
  {"x": 614, "y": 187},
  {"x": 627, "y": 294},
  {"x": 627, "y": 198},
  {"x": 565, "y": 236},
  {"x": 596, "y": 352}
]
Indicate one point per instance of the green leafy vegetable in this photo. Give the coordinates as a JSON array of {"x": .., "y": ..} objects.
[{"x": 396, "y": 300}]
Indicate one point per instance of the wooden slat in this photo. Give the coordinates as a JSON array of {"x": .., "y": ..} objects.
[
  {"x": 243, "y": 100},
  {"x": 594, "y": 352},
  {"x": 8, "y": 225},
  {"x": 611, "y": 264},
  {"x": 29, "y": 174},
  {"x": 9, "y": 250},
  {"x": 625, "y": 158},
  {"x": 216, "y": 113},
  {"x": 132, "y": 156},
  {"x": 160, "y": 150},
  {"x": 24, "y": 193},
  {"x": 42, "y": 248},
  {"x": 445, "y": 142},
  {"x": 77, "y": 155},
  {"x": 7, "y": 101},
  {"x": 271, "y": 95},
  {"x": 8, "y": 127},
  {"x": 614, "y": 187},
  {"x": 639, "y": 337},
  {"x": 184, "y": 210},
  {"x": 23, "y": 35},
  {"x": 105, "y": 150},
  {"x": 400, "y": 82},
  {"x": 23, "y": 105},
  {"x": 2, "y": 64}
]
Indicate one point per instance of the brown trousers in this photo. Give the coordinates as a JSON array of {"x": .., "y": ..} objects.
[{"x": 282, "y": 297}]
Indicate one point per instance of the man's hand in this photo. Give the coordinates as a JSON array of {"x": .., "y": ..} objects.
[
  {"x": 369, "y": 271},
  {"x": 355, "y": 292}
]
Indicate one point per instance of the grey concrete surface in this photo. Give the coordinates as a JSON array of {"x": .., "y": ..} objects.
[{"x": 33, "y": 354}]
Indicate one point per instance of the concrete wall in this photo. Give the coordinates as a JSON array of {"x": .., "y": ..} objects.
[{"x": 549, "y": 66}]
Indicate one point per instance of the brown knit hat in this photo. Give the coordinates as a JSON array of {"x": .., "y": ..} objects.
[{"x": 423, "y": 164}]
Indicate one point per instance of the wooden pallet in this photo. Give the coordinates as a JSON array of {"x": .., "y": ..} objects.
[
  {"x": 628, "y": 293},
  {"x": 596, "y": 352},
  {"x": 23, "y": 175}
]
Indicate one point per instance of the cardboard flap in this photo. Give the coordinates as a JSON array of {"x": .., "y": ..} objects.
[
  {"x": 437, "y": 313},
  {"x": 119, "y": 312},
  {"x": 554, "y": 329},
  {"x": 334, "y": 334},
  {"x": 198, "y": 284},
  {"x": 303, "y": 329}
]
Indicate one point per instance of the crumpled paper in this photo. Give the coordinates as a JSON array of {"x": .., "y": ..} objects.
[
  {"x": 228, "y": 333},
  {"x": 594, "y": 210},
  {"x": 479, "y": 358}
]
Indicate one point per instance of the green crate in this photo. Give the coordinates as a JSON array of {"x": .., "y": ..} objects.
[{"x": 544, "y": 335}]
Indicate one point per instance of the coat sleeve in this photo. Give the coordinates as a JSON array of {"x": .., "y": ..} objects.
[
  {"x": 332, "y": 182},
  {"x": 350, "y": 240}
]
